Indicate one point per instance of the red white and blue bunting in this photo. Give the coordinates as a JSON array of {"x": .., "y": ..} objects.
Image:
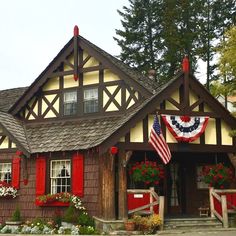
[{"x": 185, "y": 128}]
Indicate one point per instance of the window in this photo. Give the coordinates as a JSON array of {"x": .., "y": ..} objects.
[
  {"x": 5, "y": 172},
  {"x": 200, "y": 183},
  {"x": 60, "y": 176},
  {"x": 70, "y": 103},
  {"x": 91, "y": 100}
]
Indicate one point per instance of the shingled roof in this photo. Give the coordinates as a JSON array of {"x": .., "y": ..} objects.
[
  {"x": 9, "y": 96},
  {"x": 68, "y": 135},
  {"x": 15, "y": 130}
]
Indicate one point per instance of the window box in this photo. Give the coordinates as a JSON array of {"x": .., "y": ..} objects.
[{"x": 53, "y": 203}]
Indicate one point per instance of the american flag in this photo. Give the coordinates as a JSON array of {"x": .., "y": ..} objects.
[{"x": 158, "y": 142}]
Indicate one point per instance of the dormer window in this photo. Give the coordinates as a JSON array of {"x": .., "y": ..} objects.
[
  {"x": 91, "y": 100},
  {"x": 70, "y": 103}
]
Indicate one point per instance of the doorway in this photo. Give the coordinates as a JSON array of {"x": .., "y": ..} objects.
[{"x": 176, "y": 189}]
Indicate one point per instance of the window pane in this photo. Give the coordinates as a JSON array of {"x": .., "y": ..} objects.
[
  {"x": 70, "y": 97},
  {"x": 70, "y": 103},
  {"x": 90, "y": 100},
  {"x": 60, "y": 175},
  {"x": 5, "y": 172}
]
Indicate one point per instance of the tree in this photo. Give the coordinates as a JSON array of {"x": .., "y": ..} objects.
[
  {"x": 157, "y": 34},
  {"x": 227, "y": 59},
  {"x": 139, "y": 41},
  {"x": 226, "y": 83}
]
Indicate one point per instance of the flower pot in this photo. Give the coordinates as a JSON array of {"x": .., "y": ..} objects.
[
  {"x": 129, "y": 225},
  {"x": 17, "y": 223}
]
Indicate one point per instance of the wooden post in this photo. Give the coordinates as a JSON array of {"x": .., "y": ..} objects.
[
  {"x": 151, "y": 199},
  {"x": 122, "y": 194},
  {"x": 211, "y": 201},
  {"x": 224, "y": 211},
  {"x": 107, "y": 185},
  {"x": 161, "y": 209}
]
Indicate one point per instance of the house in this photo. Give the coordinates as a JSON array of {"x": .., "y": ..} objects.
[
  {"x": 86, "y": 118},
  {"x": 230, "y": 102}
]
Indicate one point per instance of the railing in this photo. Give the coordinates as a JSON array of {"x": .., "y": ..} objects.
[
  {"x": 222, "y": 202},
  {"x": 145, "y": 201}
]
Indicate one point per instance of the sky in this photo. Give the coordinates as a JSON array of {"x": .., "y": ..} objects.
[{"x": 34, "y": 31}]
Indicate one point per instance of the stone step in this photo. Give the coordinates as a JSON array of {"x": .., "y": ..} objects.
[
  {"x": 124, "y": 232},
  {"x": 191, "y": 223}
]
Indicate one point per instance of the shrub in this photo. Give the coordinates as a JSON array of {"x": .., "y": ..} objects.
[
  {"x": 16, "y": 215},
  {"x": 85, "y": 220}
]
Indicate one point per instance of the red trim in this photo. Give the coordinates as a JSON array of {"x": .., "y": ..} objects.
[
  {"x": 183, "y": 139},
  {"x": 136, "y": 200},
  {"x": 76, "y": 30},
  {"x": 40, "y": 176},
  {"x": 55, "y": 203},
  {"x": 16, "y": 172},
  {"x": 78, "y": 175},
  {"x": 217, "y": 206},
  {"x": 185, "y": 65}
]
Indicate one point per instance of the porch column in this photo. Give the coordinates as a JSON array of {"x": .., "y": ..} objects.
[
  {"x": 107, "y": 186},
  {"x": 122, "y": 173},
  {"x": 122, "y": 194}
]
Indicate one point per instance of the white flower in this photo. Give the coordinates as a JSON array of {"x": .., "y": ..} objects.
[{"x": 7, "y": 190}]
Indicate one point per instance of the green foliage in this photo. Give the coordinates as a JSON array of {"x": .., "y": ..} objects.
[
  {"x": 156, "y": 34},
  {"x": 87, "y": 230},
  {"x": 70, "y": 215},
  {"x": 227, "y": 60},
  {"x": 232, "y": 133},
  {"x": 217, "y": 176},
  {"x": 16, "y": 215},
  {"x": 147, "y": 172},
  {"x": 57, "y": 218},
  {"x": 85, "y": 220}
]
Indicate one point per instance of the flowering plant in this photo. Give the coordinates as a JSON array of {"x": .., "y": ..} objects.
[
  {"x": 62, "y": 197},
  {"x": 6, "y": 190},
  {"x": 217, "y": 176},
  {"x": 147, "y": 172}
]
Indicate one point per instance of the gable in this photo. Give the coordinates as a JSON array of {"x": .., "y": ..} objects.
[
  {"x": 5, "y": 141},
  {"x": 93, "y": 67},
  {"x": 176, "y": 99}
]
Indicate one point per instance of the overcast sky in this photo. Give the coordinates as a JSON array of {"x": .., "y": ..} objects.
[{"x": 34, "y": 31}]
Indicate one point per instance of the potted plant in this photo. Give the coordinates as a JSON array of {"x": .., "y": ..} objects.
[
  {"x": 147, "y": 224},
  {"x": 217, "y": 176},
  {"x": 147, "y": 172},
  {"x": 16, "y": 218},
  {"x": 129, "y": 225}
]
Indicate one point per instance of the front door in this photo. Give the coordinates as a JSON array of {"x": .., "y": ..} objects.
[{"x": 176, "y": 189}]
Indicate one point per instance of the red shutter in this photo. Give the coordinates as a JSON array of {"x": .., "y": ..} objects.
[
  {"x": 78, "y": 175},
  {"x": 15, "y": 182},
  {"x": 40, "y": 175}
]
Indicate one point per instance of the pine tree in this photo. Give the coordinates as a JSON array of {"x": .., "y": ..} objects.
[
  {"x": 157, "y": 33},
  {"x": 140, "y": 42}
]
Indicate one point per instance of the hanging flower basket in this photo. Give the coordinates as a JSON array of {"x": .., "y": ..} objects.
[
  {"x": 147, "y": 172},
  {"x": 7, "y": 191},
  {"x": 217, "y": 176}
]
